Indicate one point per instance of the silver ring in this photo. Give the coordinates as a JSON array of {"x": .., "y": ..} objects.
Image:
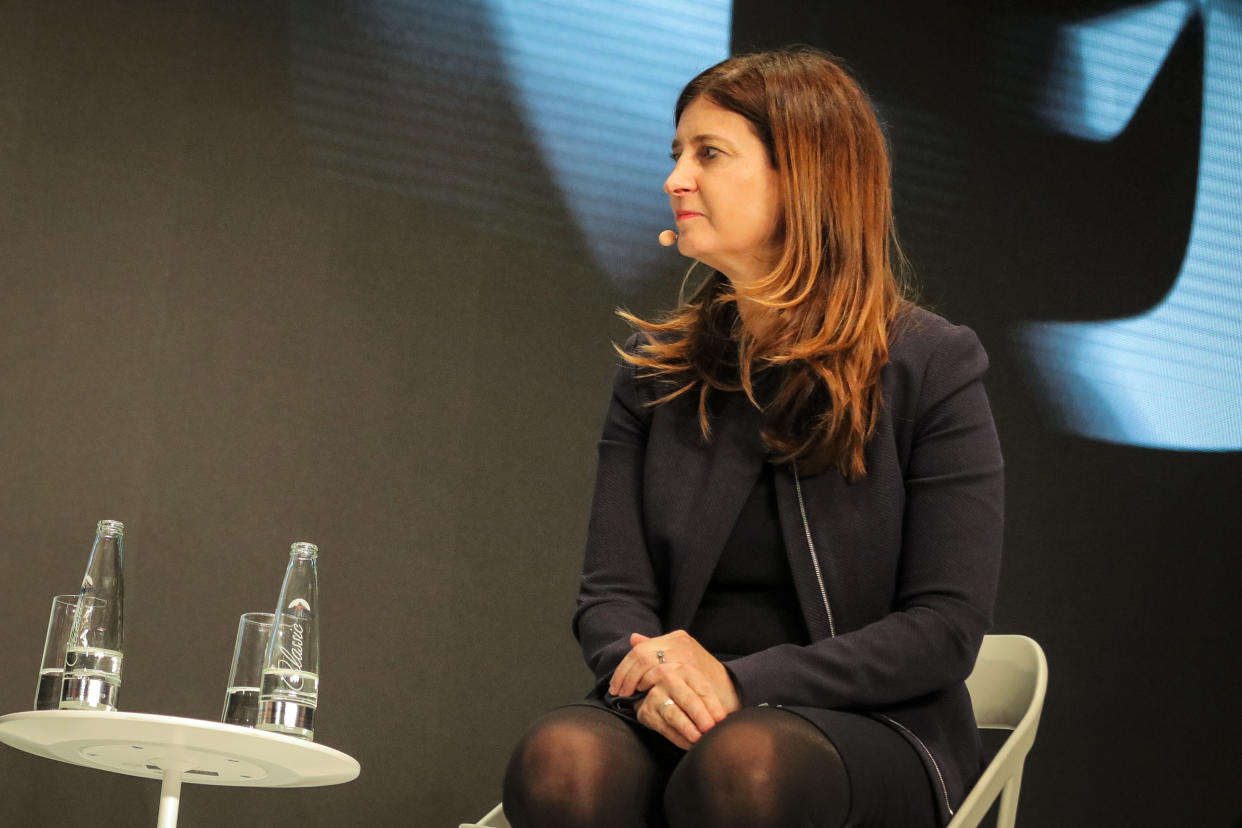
[
  {"x": 660, "y": 656},
  {"x": 667, "y": 702}
]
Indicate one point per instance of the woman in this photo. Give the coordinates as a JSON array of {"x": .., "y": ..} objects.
[{"x": 795, "y": 539}]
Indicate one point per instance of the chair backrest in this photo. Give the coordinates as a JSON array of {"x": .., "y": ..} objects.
[
  {"x": 1007, "y": 689},
  {"x": 1009, "y": 682}
]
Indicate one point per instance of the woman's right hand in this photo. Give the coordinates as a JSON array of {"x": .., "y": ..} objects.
[{"x": 687, "y": 693}]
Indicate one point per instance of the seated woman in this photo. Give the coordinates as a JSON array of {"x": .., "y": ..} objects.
[{"x": 796, "y": 532}]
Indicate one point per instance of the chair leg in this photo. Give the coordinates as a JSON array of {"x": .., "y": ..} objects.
[
  {"x": 496, "y": 817},
  {"x": 1007, "y": 812}
]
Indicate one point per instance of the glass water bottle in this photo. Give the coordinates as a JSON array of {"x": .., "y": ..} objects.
[
  {"x": 289, "y": 690},
  {"x": 93, "y": 653}
]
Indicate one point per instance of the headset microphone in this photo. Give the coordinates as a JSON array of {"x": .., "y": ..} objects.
[{"x": 668, "y": 238}]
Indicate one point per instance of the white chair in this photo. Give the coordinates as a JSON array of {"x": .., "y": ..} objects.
[
  {"x": 495, "y": 819},
  {"x": 1007, "y": 690}
]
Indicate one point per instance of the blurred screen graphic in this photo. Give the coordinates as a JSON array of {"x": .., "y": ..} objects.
[
  {"x": 551, "y": 121},
  {"x": 1170, "y": 377}
]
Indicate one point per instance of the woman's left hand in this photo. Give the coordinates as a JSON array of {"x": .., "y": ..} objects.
[{"x": 686, "y": 673}]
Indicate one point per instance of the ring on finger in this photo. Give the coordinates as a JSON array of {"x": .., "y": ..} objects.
[
  {"x": 665, "y": 704},
  {"x": 660, "y": 656}
]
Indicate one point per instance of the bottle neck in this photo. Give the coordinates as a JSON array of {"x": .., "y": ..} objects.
[
  {"x": 302, "y": 551},
  {"x": 110, "y": 529}
]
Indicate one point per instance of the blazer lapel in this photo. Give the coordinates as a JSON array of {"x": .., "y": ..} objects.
[
  {"x": 821, "y": 490},
  {"x": 733, "y": 459}
]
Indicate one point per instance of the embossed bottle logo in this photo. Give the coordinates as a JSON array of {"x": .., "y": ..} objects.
[{"x": 291, "y": 656}]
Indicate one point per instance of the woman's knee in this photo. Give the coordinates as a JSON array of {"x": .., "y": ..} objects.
[
  {"x": 757, "y": 767},
  {"x": 740, "y": 755},
  {"x": 559, "y": 754},
  {"x": 578, "y": 766}
]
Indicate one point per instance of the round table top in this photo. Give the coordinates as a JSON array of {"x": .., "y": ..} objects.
[{"x": 203, "y": 752}]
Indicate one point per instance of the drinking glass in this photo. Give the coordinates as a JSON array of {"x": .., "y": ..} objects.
[
  {"x": 92, "y": 671},
  {"x": 59, "y": 627},
  {"x": 241, "y": 699}
]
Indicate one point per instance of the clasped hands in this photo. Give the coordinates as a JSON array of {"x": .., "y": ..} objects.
[{"x": 688, "y": 689}]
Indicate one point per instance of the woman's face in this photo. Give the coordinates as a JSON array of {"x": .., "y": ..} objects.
[{"x": 724, "y": 194}]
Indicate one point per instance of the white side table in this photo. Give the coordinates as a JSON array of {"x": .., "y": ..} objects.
[{"x": 174, "y": 750}]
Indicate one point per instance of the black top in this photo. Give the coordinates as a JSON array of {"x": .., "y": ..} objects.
[{"x": 750, "y": 603}]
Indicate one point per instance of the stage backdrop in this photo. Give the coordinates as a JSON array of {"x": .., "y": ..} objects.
[{"x": 345, "y": 272}]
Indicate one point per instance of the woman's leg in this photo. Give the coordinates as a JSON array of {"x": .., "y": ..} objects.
[
  {"x": 582, "y": 766},
  {"x": 760, "y": 768}
]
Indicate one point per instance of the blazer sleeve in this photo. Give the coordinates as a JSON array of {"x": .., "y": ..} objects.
[
  {"x": 618, "y": 594},
  {"x": 950, "y": 551}
]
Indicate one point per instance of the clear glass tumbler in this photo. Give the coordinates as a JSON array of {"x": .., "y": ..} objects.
[
  {"x": 241, "y": 699},
  {"x": 52, "y": 668}
]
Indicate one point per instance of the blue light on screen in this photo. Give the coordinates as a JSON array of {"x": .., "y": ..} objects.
[
  {"x": 1102, "y": 69},
  {"x": 1171, "y": 377},
  {"x": 545, "y": 119},
  {"x": 597, "y": 80},
  {"x": 550, "y": 120}
]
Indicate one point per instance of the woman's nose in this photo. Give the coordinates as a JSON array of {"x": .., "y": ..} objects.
[{"x": 678, "y": 181}]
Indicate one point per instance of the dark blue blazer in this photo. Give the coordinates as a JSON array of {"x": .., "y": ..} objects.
[{"x": 908, "y": 557}]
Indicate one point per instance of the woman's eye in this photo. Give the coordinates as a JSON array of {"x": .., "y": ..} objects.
[{"x": 674, "y": 156}]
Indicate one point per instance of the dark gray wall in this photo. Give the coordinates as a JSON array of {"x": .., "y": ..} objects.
[{"x": 208, "y": 337}]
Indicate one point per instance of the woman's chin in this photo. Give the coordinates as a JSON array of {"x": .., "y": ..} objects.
[{"x": 690, "y": 250}]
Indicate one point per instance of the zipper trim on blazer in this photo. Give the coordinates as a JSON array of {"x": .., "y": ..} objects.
[
  {"x": 944, "y": 789},
  {"x": 832, "y": 631},
  {"x": 819, "y": 577}
]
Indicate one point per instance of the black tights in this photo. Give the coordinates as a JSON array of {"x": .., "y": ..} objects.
[{"x": 760, "y": 767}]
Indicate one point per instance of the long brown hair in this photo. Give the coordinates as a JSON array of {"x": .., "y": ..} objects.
[{"x": 833, "y": 293}]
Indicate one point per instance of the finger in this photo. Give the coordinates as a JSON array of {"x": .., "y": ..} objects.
[
  {"x": 618, "y": 675},
  {"x": 649, "y": 679},
  {"x": 656, "y": 673},
  {"x": 659, "y": 672},
  {"x": 649, "y": 667},
  {"x": 660, "y": 716},
  {"x": 694, "y": 691},
  {"x": 648, "y": 718},
  {"x": 676, "y": 738},
  {"x": 633, "y": 674},
  {"x": 626, "y": 676},
  {"x": 700, "y": 684},
  {"x": 693, "y": 705},
  {"x": 630, "y": 672},
  {"x": 678, "y": 722},
  {"x": 622, "y": 671}
]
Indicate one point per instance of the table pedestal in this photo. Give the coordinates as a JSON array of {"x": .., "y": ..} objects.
[
  {"x": 170, "y": 795},
  {"x": 176, "y": 750}
]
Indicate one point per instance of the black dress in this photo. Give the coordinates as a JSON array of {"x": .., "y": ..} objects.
[{"x": 750, "y": 604}]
